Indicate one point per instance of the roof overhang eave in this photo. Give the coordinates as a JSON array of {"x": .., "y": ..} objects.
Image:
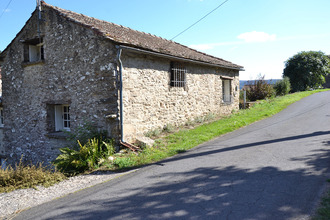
[{"x": 175, "y": 57}]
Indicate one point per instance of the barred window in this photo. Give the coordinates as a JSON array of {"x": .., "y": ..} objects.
[{"x": 178, "y": 74}]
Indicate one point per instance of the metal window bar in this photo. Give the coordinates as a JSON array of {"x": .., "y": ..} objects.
[{"x": 178, "y": 75}]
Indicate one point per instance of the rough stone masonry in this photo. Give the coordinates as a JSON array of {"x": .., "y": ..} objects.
[{"x": 67, "y": 64}]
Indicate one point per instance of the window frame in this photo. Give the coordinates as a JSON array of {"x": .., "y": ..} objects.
[
  {"x": 178, "y": 74},
  {"x": 33, "y": 50},
  {"x": 226, "y": 90},
  {"x": 62, "y": 117}
]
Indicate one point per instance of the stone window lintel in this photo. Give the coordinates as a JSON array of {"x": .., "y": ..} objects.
[{"x": 58, "y": 135}]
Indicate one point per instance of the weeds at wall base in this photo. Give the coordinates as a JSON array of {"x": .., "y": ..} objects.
[{"x": 28, "y": 176}]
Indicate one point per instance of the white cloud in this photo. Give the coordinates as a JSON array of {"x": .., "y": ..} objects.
[
  {"x": 255, "y": 36},
  {"x": 213, "y": 45},
  {"x": 248, "y": 37},
  {"x": 7, "y": 10}
]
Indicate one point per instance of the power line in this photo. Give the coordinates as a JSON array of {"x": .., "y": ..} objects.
[
  {"x": 200, "y": 19},
  {"x": 5, "y": 8}
]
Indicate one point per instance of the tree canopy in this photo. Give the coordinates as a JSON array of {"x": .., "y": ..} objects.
[{"x": 307, "y": 70}]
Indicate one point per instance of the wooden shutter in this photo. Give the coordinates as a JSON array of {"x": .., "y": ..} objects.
[
  {"x": 26, "y": 53},
  {"x": 58, "y": 117}
]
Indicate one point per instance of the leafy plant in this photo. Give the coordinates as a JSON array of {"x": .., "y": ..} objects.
[
  {"x": 282, "y": 87},
  {"x": 259, "y": 89},
  {"x": 153, "y": 133},
  {"x": 168, "y": 128},
  {"x": 89, "y": 156},
  {"x": 84, "y": 133},
  {"x": 307, "y": 70}
]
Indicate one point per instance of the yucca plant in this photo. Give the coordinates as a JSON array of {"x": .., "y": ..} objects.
[{"x": 89, "y": 156}]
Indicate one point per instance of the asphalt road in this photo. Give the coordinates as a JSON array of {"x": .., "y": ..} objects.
[{"x": 272, "y": 169}]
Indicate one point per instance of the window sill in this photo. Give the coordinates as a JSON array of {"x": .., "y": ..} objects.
[
  {"x": 38, "y": 62},
  {"x": 58, "y": 135},
  {"x": 226, "y": 103}
]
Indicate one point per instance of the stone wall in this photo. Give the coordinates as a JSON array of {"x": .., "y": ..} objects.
[
  {"x": 151, "y": 103},
  {"x": 2, "y": 149},
  {"x": 78, "y": 69}
]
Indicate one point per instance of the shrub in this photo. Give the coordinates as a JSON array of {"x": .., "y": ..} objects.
[
  {"x": 153, "y": 133},
  {"x": 307, "y": 70},
  {"x": 282, "y": 87},
  {"x": 84, "y": 133},
  {"x": 22, "y": 176},
  {"x": 259, "y": 89},
  {"x": 168, "y": 128},
  {"x": 88, "y": 157}
]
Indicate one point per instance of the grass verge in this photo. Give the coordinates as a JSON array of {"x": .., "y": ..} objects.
[
  {"x": 323, "y": 211},
  {"x": 186, "y": 139}
]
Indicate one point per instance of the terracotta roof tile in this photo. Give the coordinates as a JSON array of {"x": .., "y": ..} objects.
[{"x": 137, "y": 39}]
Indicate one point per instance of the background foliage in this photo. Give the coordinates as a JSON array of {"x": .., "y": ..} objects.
[
  {"x": 282, "y": 87},
  {"x": 259, "y": 89},
  {"x": 307, "y": 70}
]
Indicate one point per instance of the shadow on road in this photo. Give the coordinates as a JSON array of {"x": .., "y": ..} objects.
[
  {"x": 210, "y": 192},
  {"x": 237, "y": 147}
]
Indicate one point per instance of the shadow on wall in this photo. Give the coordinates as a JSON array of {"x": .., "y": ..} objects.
[{"x": 209, "y": 192}]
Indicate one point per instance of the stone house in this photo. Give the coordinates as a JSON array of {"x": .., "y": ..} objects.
[{"x": 65, "y": 68}]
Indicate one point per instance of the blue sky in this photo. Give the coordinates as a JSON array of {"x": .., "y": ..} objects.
[{"x": 257, "y": 34}]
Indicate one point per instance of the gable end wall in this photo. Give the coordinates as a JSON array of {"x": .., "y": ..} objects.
[{"x": 78, "y": 70}]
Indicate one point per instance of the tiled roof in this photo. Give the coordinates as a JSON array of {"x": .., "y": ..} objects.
[{"x": 141, "y": 40}]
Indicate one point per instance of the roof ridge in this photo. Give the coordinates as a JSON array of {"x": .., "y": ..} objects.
[
  {"x": 118, "y": 25},
  {"x": 125, "y": 35},
  {"x": 201, "y": 52}
]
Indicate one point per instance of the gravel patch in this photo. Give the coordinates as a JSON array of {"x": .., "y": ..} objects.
[{"x": 18, "y": 200}]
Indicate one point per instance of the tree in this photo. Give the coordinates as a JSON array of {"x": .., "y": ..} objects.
[
  {"x": 282, "y": 87},
  {"x": 307, "y": 70},
  {"x": 259, "y": 89}
]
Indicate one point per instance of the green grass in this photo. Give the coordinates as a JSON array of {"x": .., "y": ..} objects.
[
  {"x": 323, "y": 211},
  {"x": 186, "y": 139},
  {"x": 22, "y": 176}
]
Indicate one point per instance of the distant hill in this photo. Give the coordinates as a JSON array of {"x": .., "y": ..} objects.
[{"x": 242, "y": 83}]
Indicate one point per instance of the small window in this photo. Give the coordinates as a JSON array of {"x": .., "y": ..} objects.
[
  {"x": 1, "y": 117},
  {"x": 178, "y": 74},
  {"x": 226, "y": 90},
  {"x": 62, "y": 117},
  {"x": 33, "y": 50}
]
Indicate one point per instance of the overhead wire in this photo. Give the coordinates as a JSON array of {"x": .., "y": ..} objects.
[
  {"x": 199, "y": 20},
  {"x": 5, "y": 9}
]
